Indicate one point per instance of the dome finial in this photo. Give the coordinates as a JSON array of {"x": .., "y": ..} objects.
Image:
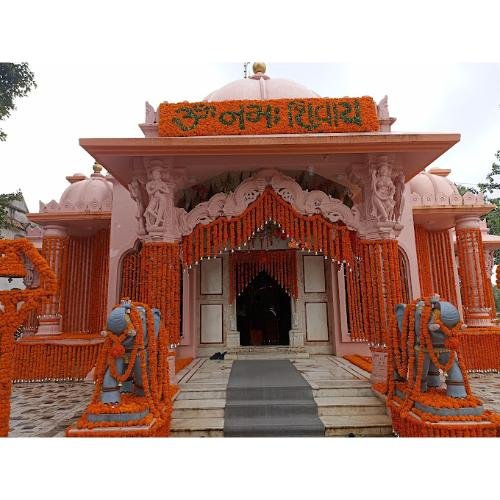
[
  {"x": 259, "y": 67},
  {"x": 97, "y": 167}
]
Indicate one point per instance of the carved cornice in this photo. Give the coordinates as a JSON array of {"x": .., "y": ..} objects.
[
  {"x": 92, "y": 206},
  {"x": 432, "y": 199}
]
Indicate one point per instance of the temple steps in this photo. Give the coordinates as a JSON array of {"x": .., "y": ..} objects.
[
  {"x": 338, "y": 392},
  {"x": 357, "y": 425},
  {"x": 200, "y": 394},
  {"x": 197, "y": 427},
  {"x": 347, "y": 407},
  {"x": 267, "y": 352},
  {"x": 198, "y": 408},
  {"x": 343, "y": 406}
]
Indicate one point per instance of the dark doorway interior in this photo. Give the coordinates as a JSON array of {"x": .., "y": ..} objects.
[{"x": 263, "y": 313}]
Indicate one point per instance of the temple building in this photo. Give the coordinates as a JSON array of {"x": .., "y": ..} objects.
[{"x": 286, "y": 243}]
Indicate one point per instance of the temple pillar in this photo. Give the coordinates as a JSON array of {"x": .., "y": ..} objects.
[
  {"x": 381, "y": 291},
  {"x": 153, "y": 188},
  {"x": 477, "y": 297},
  {"x": 382, "y": 186},
  {"x": 54, "y": 246}
]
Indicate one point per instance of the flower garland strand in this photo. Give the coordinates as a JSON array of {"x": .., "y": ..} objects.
[
  {"x": 281, "y": 265},
  {"x": 16, "y": 306},
  {"x": 40, "y": 359},
  {"x": 234, "y": 233}
]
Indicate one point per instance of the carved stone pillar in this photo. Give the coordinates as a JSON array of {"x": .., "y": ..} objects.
[
  {"x": 296, "y": 334},
  {"x": 382, "y": 187},
  {"x": 477, "y": 297},
  {"x": 54, "y": 246},
  {"x": 153, "y": 189}
]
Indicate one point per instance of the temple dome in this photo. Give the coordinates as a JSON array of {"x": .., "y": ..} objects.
[
  {"x": 260, "y": 86},
  {"x": 433, "y": 182},
  {"x": 87, "y": 194}
]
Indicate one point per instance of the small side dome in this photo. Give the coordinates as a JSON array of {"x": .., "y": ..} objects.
[
  {"x": 88, "y": 194},
  {"x": 434, "y": 183}
]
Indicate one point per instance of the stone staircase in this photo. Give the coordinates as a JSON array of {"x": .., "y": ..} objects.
[{"x": 346, "y": 407}]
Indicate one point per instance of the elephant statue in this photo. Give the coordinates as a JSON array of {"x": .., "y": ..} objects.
[
  {"x": 118, "y": 323},
  {"x": 450, "y": 317}
]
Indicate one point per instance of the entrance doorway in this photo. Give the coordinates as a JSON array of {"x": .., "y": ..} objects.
[{"x": 263, "y": 313}]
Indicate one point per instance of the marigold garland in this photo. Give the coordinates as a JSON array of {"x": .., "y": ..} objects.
[
  {"x": 234, "y": 233},
  {"x": 281, "y": 265},
  {"x": 38, "y": 359},
  {"x": 84, "y": 282},
  {"x": 363, "y": 362},
  {"x": 14, "y": 313},
  {"x": 181, "y": 363},
  {"x": 435, "y": 274},
  {"x": 160, "y": 285},
  {"x": 481, "y": 348},
  {"x": 380, "y": 288},
  {"x": 270, "y": 116}
]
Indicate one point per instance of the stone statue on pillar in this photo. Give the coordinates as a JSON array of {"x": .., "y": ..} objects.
[
  {"x": 159, "y": 196},
  {"x": 382, "y": 194},
  {"x": 382, "y": 200}
]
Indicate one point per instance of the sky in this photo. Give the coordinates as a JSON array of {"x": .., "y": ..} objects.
[
  {"x": 97, "y": 62},
  {"x": 84, "y": 100}
]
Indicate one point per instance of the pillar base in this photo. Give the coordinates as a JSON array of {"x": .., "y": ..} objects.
[
  {"x": 296, "y": 338},
  {"x": 171, "y": 369},
  {"x": 233, "y": 339},
  {"x": 479, "y": 316},
  {"x": 379, "y": 366},
  {"x": 49, "y": 326}
]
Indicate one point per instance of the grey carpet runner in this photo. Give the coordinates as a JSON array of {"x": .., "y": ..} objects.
[{"x": 269, "y": 398}]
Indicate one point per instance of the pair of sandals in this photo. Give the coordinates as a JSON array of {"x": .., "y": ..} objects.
[{"x": 218, "y": 355}]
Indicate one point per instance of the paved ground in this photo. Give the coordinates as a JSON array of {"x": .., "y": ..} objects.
[{"x": 46, "y": 409}]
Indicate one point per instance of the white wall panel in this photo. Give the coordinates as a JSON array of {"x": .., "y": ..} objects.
[
  {"x": 211, "y": 277},
  {"x": 211, "y": 323},
  {"x": 314, "y": 274},
  {"x": 316, "y": 321}
]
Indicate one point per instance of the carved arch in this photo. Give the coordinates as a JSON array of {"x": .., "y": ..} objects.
[{"x": 235, "y": 203}]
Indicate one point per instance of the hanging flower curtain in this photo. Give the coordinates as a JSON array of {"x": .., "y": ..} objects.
[
  {"x": 310, "y": 232},
  {"x": 279, "y": 264}
]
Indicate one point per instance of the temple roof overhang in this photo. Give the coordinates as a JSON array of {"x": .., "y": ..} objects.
[
  {"x": 439, "y": 217},
  {"x": 75, "y": 223},
  {"x": 196, "y": 159}
]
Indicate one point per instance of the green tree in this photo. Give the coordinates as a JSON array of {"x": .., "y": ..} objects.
[
  {"x": 16, "y": 80},
  {"x": 5, "y": 201},
  {"x": 490, "y": 189}
]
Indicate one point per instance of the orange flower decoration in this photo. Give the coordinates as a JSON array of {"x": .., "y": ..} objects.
[{"x": 272, "y": 116}]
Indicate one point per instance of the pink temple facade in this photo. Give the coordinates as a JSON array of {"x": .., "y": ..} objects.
[{"x": 160, "y": 189}]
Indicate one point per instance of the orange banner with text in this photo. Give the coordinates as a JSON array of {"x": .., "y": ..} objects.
[{"x": 273, "y": 116}]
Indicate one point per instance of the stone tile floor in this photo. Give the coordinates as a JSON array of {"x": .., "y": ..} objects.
[{"x": 46, "y": 409}]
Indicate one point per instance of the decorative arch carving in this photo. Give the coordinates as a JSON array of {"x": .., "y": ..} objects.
[{"x": 235, "y": 203}]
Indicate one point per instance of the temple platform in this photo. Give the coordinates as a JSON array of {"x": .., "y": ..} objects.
[{"x": 346, "y": 403}]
